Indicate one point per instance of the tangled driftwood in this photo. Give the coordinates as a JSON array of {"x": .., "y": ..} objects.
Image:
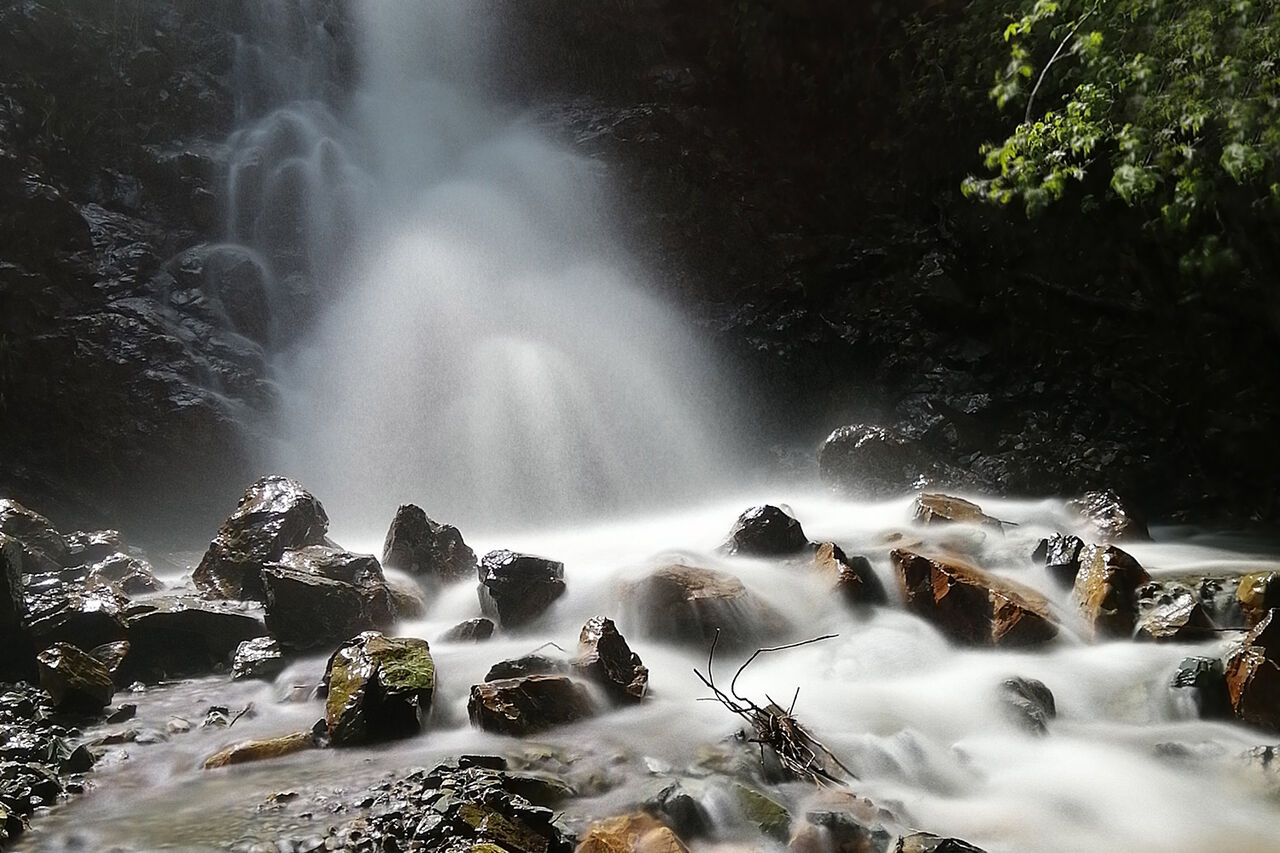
[{"x": 798, "y": 752}]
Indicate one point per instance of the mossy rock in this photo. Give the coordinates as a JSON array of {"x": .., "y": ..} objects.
[
  {"x": 768, "y": 815},
  {"x": 379, "y": 688}
]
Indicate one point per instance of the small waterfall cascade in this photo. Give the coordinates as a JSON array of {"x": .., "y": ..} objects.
[{"x": 453, "y": 321}]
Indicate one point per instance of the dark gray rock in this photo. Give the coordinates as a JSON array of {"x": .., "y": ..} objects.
[
  {"x": 275, "y": 514},
  {"x": 1111, "y": 517},
  {"x": 1060, "y": 555},
  {"x": 127, "y": 575},
  {"x": 260, "y": 657},
  {"x": 426, "y": 549},
  {"x": 471, "y": 631},
  {"x": 181, "y": 635},
  {"x": 1205, "y": 680},
  {"x": 925, "y": 842},
  {"x": 518, "y": 588},
  {"x": 74, "y": 680},
  {"x": 33, "y": 530},
  {"x": 766, "y": 531},
  {"x": 58, "y": 611},
  {"x": 321, "y": 595},
  {"x": 534, "y": 664},
  {"x": 1029, "y": 703},
  {"x": 17, "y": 652},
  {"x": 520, "y": 706},
  {"x": 864, "y": 459},
  {"x": 83, "y": 548},
  {"x": 605, "y": 658}
]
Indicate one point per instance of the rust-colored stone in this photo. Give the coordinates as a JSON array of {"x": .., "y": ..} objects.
[
  {"x": 1106, "y": 590},
  {"x": 1253, "y": 674},
  {"x": 935, "y": 508},
  {"x": 259, "y": 750},
  {"x": 971, "y": 606},
  {"x": 633, "y": 833},
  {"x": 851, "y": 577}
]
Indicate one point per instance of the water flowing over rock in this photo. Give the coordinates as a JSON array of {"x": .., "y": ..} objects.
[
  {"x": 935, "y": 508},
  {"x": 180, "y": 635},
  {"x": 379, "y": 688},
  {"x": 1253, "y": 674},
  {"x": 274, "y": 515},
  {"x": 925, "y": 842},
  {"x": 1060, "y": 554},
  {"x": 91, "y": 547},
  {"x": 128, "y": 575},
  {"x": 633, "y": 833},
  {"x": 971, "y": 606},
  {"x": 1206, "y": 681},
  {"x": 260, "y": 657},
  {"x": 260, "y": 750},
  {"x": 521, "y": 706},
  {"x": 532, "y": 664},
  {"x": 766, "y": 531},
  {"x": 1179, "y": 618},
  {"x": 1106, "y": 590},
  {"x": 1029, "y": 703},
  {"x": 687, "y": 604},
  {"x": 425, "y": 548},
  {"x": 605, "y": 658},
  {"x": 320, "y": 595},
  {"x": 842, "y": 821},
  {"x": 1257, "y": 593},
  {"x": 471, "y": 631},
  {"x": 852, "y": 578},
  {"x": 863, "y": 459},
  {"x": 73, "y": 679},
  {"x": 1113, "y": 520},
  {"x": 517, "y": 588}
]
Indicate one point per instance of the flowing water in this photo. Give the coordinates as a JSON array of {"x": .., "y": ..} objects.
[
  {"x": 1126, "y": 764},
  {"x": 488, "y": 352}
]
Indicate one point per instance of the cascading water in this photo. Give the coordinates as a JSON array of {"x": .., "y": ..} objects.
[{"x": 483, "y": 348}]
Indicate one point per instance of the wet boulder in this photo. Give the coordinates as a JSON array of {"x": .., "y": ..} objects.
[
  {"x": 471, "y": 631},
  {"x": 605, "y": 658},
  {"x": 852, "y": 578},
  {"x": 260, "y": 750},
  {"x": 1060, "y": 555},
  {"x": 935, "y": 508},
  {"x": 1253, "y": 674},
  {"x": 181, "y": 635},
  {"x": 680, "y": 807},
  {"x": 274, "y": 515},
  {"x": 379, "y": 688},
  {"x": 260, "y": 657},
  {"x": 112, "y": 656},
  {"x": 1106, "y": 590},
  {"x": 971, "y": 606},
  {"x": 864, "y": 459},
  {"x": 762, "y": 812},
  {"x": 1205, "y": 681},
  {"x": 33, "y": 530},
  {"x": 85, "y": 548},
  {"x": 426, "y": 549},
  {"x": 632, "y": 833},
  {"x": 686, "y": 604},
  {"x": 320, "y": 595},
  {"x": 1174, "y": 618},
  {"x": 17, "y": 653},
  {"x": 128, "y": 575},
  {"x": 520, "y": 706},
  {"x": 74, "y": 680},
  {"x": 842, "y": 822},
  {"x": 1107, "y": 514},
  {"x": 407, "y": 600},
  {"x": 1028, "y": 703},
  {"x": 1257, "y": 593},
  {"x": 531, "y": 664},
  {"x": 516, "y": 588},
  {"x": 58, "y": 611},
  {"x": 766, "y": 531},
  {"x": 927, "y": 842}
]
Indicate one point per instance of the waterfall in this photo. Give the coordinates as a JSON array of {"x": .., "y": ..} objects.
[{"x": 483, "y": 347}]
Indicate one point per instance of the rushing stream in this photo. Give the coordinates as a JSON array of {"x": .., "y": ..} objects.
[{"x": 1126, "y": 765}]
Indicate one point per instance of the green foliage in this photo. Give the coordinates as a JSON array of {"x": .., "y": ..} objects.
[{"x": 1171, "y": 106}]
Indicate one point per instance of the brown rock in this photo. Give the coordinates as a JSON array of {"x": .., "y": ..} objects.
[
  {"x": 1253, "y": 674},
  {"x": 971, "y": 606},
  {"x": 1106, "y": 590},
  {"x": 933, "y": 508},
  {"x": 687, "y": 604},
  {"x": 259, "y": 750},
  {"x": 518, "y": 706},
  {"x": 74, "y": 679},
  {"x": 605, "y": 658},
  {"x": 1110, "y": 517},
  {"x": 1258, "y": 593},
  {"x": 1181, "y": 619},
  {"x": 851, "y": 577},
  {"x": 633, "y": 833},
  {"x": 425, "y": 548}
]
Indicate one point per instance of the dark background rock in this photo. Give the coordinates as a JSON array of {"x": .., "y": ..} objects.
[
  {"x": 518, "y": 588},
  {"x": 425, "y": 548}
]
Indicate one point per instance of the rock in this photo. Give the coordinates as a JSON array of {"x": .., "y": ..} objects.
[
  {"x": 686, "y": 604},
  {"x": 320, "y": 595},
  {"x": 1061, "y": 557},
  {"x": 84, "y": 549},
  {"x": 1253, "y": 674},
  {"x": 260, "y": 657},
  {"x": 1206, "y": 681},
  {"x": 605, "y": 658},
  {"x": 275, "y": 514},
  {"x": 73, "y": 679},
  {"x": 520, "y": 706},
  {"x": 379, "y": 688},
  {"x": 633, "y": 833},
  {"x": 68, "y": 613},
  {"x": 1029, "y": 703},
  {"x": 1178, "y": 618},
  {"x": 1109, "y": 516},
  {"x": 863, "y": 459},
  {"x": 1257, "y": 593},
  {"x": 33, "y": 530},
  {"x": 1105, "y": 590},
  {"x": 425, "y": 548},
  {"x": 407, "y": 600},
  {"x": 851, "y": 577},
  {"x": 517, "y": 588},
  {"x": 764, "y": 813},
  {"x": 971, "y": 606},
  {"x": 533, "y": 664},
  {"x": 111, "y": 655},
  {"x": 680, "y": 810},
  {"x": 471, "y": 631},
  {"x": 934, "y": 508},
  {"x": 128, "y": 575},
  {"x": 766, "y": 531},
  {"x": 260, "y": 750},
  {"x": 925, "y": 842},
  {"x": 17, "y": 652},
  {"x": 842, "y": 822},
  {"x": 182, "y": 636}
]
